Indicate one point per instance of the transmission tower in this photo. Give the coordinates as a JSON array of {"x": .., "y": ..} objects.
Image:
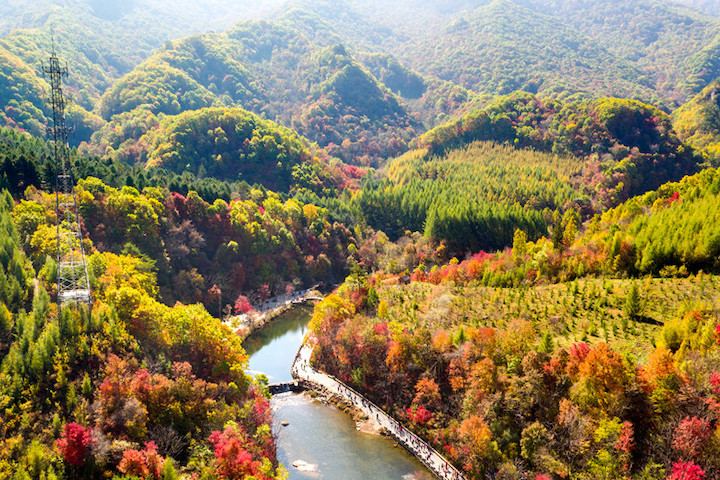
[{"x": 72, "y": 276}]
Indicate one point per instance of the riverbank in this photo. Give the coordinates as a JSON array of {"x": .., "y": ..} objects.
[
  {"x": 363, "y": 423},
  {"x": 245, "y": 324},
  {"x": 329, "y": 385}
]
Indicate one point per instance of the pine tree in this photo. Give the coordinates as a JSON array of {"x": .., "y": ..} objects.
[
  {"x": 633, "y": 303},
  {"x": 546, "y": 344}
]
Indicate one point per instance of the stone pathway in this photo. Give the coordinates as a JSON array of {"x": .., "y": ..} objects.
[{"x": 425, "y": 453}]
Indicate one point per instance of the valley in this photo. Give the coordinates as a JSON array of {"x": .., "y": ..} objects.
[{"x": 510, "y": 206}]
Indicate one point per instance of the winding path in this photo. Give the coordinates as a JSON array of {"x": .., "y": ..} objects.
[
  {"x": 425, "y": 453},
  {"x": 259, "y": 315}
]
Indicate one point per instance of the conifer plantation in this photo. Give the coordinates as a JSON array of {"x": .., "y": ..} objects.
[{"x": 510, "y": 207}]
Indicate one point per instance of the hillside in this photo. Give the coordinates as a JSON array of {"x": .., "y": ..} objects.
[
  {"x": 493, "y": 50},
  {"x": 580, "y": 157},
  {"x": 175, "y": 16},
  {"x": 194, "y": 240},
  {"x": 511, "y": 381},
  {"x": 222, "y": 144},
  {"x": 711, "y": 7},
  {"x": 227, "y": 144},
  {"x": 24, "y": 97},
  {"x": 89, "y": 394},
  {"x": 475, "y": 373},
  {"x": 698, "y": 122},
  {"x": 659, "y": 39},
  {"x": 464, "y": 197}
]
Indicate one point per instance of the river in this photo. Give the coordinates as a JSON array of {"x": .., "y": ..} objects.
[{"x": 317, "y": 433}]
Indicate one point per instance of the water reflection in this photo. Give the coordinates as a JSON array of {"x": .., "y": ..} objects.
[{"x": 272, "y": 349}]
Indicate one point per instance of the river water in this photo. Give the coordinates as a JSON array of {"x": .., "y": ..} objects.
[{"x": 318, "y": 434}]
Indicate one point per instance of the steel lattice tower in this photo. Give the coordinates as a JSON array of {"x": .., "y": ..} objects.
[{"x": 72, "y": 275}]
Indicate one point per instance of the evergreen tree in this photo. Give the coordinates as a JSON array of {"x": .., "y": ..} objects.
[
  {"x": 633, "y": 303},
  {"x": 546, "y": 344}
]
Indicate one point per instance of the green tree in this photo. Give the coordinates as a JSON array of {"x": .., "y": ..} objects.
[{"x": 633, "y": 303}]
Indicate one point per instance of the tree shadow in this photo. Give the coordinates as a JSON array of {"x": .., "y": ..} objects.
[{"x": 647, "y": 320}]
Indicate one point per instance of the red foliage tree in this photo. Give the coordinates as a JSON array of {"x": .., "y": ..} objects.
[
  {"x": 690, "y": 437},
  {"x": 142, "y": 463},
  {"x": 75, "y": 443},
  {"x": 578, "y": 352},
  {"x": 427, "y": 392},
  {"x": 715, "y": 382},
  {"x": 419, "y": 415},
  {"x": 234, "y": 461},
  {"x": 686, "y": 471},
  {"x": 133, "y": 463},
  {"x": 625, "y": 443},
  {"x": 242, "y": 305},
  {"x": 457, "y": 373}
]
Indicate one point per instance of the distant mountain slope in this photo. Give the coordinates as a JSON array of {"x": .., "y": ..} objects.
[
  {"x": 656, "y": 37},
  {"x": 369, "y": 32},
  {"x": 711, "y": 7},
  {"x": 417, "y": 62},
  {"x": 100, "y": 40},
  {"x": 503, "y": 46},
  {"x": 146, "y": 19},
  {"x": 698, "y": 121},
  {"x": 644, "y": 49},
  {"x": 321, "y": 91},
  {"x": 702, "y": 68}
]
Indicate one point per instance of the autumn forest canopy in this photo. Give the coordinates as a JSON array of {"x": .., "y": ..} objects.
[{"x": 512, "y": 208}]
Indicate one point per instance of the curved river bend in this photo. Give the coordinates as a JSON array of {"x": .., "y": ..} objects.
[{"x": 317, "y": 433}]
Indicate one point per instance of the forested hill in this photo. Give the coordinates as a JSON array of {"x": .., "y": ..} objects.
[
  {"x": 657, "y": 52},
  {"x": 410, "y": 64},
  {"x": 711, "y": 7},
  {"x": 502, "y": 46},
  {"x": 321, "y": 91},
  {"x": 236, "y": 145},
  {"x": 663, "y": 41},
  {"x": 660, "y": 53},
  {"x": 100, "y": 40},
  {"x": 628, "y": 147},
  {"x": 578, "y": 158}
]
